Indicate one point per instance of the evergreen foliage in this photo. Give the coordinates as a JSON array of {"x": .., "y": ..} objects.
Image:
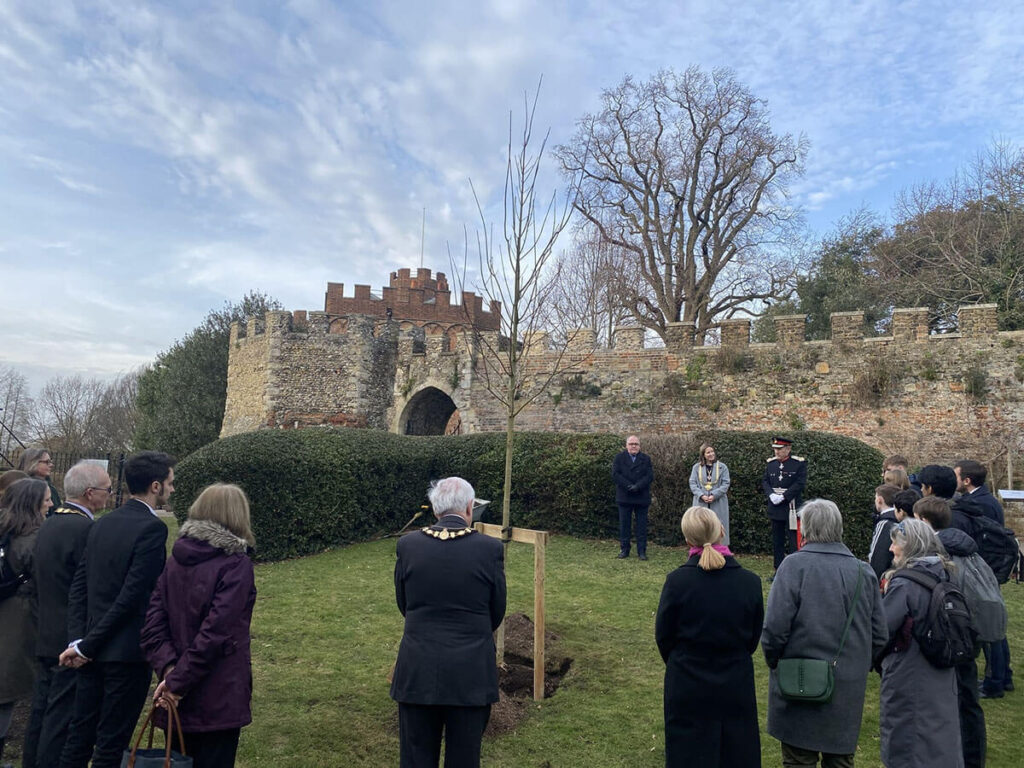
[
  {"x": 317, "y": 488},
  {"x": 181, "y": 397}
]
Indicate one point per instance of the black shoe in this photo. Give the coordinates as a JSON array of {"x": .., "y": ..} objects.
[
  {"x": 622, "y": 555},
  {"x": 1008, "y": 687},
  {"x": 983, "y": 694},
  {"x": 641, "y": 557}
]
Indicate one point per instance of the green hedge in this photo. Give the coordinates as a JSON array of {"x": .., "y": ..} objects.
[{"x": 316, "y": 488}]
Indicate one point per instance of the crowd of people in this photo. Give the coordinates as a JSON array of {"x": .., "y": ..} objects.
[
  {"x": 97, "y": 607},
  {"x": 918, "y": 611}
]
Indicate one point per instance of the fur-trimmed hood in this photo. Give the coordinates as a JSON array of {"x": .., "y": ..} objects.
[{"x": 200, "y": 540}]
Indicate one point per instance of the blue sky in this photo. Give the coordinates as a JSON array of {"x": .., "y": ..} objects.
[{"x": 160, "y": 158}]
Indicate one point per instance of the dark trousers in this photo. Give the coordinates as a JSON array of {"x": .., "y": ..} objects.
[
  {"x": 213, "y": 749},
  {"x": 972, "y": 718},
  {"x": 108, "y": 701},
  {"x": 998, "y": 674},
  {"x": 798, "y": 756},
  {"x": 419, "y": 735},
  {"x": 626, "y": 524},
  {"x": 53, "y": 703},
  {"x": 781, "y": 535}
]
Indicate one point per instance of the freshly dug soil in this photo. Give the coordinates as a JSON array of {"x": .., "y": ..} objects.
[{"x": 515, "y": 680}]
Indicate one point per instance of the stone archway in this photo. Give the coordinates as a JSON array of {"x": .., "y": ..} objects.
[{"x": 428, "y": 412}]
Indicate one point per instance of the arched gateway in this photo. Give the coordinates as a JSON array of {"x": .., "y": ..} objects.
[{"x": 427, "y": 413}]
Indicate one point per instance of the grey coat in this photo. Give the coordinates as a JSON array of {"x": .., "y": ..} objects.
[
  {"x": 807, "y": 608},
  {"x": 920, "y": 723},
  {"x": 720, "y": 483},
  {"x": 18, "y": 620}
]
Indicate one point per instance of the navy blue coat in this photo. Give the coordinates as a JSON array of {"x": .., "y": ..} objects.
[
  {"x": 983, "y": 496},
  {"x": 452, "y": 594},
  {"x": 628, "y": 472},
  {"x": 59, "y": 547}
]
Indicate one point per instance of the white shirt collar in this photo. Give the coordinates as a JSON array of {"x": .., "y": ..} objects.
[{"x": 79, "y": 506}]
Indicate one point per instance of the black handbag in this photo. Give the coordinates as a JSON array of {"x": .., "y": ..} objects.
[
  {"x": 158, "y": 758},
  {"x": 813, "y": 680}
]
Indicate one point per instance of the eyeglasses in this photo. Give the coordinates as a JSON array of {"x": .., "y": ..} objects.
[
  {"x": 46, "y": 461},
  {"x": 108, "y": 489}
]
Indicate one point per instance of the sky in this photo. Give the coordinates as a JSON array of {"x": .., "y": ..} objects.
[{"x": 158, "y": 159}]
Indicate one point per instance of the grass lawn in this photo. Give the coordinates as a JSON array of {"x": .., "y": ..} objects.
[{"x": 326, "y": 631}]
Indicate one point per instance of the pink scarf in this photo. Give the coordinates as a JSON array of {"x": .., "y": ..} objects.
[{"x": 721, "y": 548}]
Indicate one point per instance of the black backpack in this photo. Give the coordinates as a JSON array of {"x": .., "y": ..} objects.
[
  {"x": 10, "y": 580},
  {"x": 996, "y": 545},
  {"x": 945, "y": 636}
]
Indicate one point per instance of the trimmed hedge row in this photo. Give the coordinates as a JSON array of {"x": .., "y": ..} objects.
[{"x": 317, "y": 488}]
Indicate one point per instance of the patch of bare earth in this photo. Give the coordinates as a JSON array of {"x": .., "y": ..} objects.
[{"x": 515, "y": 680}]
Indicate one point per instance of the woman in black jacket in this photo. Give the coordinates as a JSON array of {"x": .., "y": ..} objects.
[{"x": 708, "y": 624}]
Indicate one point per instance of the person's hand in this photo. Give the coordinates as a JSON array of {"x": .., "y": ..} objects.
[
  {"x": 71, "y": 658},
  {"x": 163, "y": 694},
  {"x": 777, "y": 498},
  {"x": 632, "y": 488},
  {"x": 708, "y": 498}
]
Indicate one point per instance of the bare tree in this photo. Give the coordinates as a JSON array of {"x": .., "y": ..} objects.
[
  {"x": 116, "y": 414},
  {"x": 684, "y": 174},
  {"x": 15, "y": 409},
  {"x": 65, "y": 413},
  {"x": 960, "y": 242},
  {"x": 588, "y": 283},
  {"x": 511, "y": 269}
]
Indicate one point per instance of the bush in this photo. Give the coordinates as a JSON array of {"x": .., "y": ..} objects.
[{"x": 317, "y": 488}]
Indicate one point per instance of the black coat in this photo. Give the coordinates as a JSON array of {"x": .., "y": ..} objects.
[
  {"x": 791, "y": 475},
  {"x": 123, "y": 558},
  {"x": 708, "y": 625},
  {"x": 627, "y": 472},
  {"x": 59, "y": 547},
  {"x": 452, "y": 594}
]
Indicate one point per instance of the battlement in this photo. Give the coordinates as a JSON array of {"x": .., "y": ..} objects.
[
  {"x": 425, "y": 298},
  {"x": 976, "y": 321}
]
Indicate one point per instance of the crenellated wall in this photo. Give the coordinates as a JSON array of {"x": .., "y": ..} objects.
[{"x": 932, "y": 397}]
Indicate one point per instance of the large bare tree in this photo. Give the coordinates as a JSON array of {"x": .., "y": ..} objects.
[{"x": 685, "y": 175}]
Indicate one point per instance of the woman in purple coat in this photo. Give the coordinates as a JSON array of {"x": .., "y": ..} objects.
[{"x": 196, "y": 635}]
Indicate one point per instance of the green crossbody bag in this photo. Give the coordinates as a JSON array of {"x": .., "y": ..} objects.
[{"x": 812, "y": 680}]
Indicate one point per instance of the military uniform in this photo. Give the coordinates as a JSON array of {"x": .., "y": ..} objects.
[{"x": 787, "y": 478}]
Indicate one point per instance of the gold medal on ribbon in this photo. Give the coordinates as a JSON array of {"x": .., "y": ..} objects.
[{"x": 707, "y": 486}]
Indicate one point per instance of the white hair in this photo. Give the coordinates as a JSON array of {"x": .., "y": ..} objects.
[
  {"x": 450, "y": 494},
  {"x": 84, "y": 475},
  {"x": 821, "y": 521}
]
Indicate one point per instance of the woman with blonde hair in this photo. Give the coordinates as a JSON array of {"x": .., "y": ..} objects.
[
  {"x": 709, "y": 482},
  {"x": 896, "y": 476},
  {"x": 196, "y": 635},
  {"x": 37, "y": 463},
  {"x": 708, "y": 625}
]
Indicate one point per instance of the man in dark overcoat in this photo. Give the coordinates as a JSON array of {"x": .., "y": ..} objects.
[
  {"x": 450, "y": 586},
  {"x": 633, "y": 475},
  {"x": 783, "y": 483},
  {"x": 58, "y": 550},
  {"x": 124, "y": 555}
]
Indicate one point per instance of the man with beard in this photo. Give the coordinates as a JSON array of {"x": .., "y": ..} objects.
[{"x": 123, "y": 558}]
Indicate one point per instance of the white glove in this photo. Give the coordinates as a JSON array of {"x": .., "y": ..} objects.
[{"x": 777, "y": 498}]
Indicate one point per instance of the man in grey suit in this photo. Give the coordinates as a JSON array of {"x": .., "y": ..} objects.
[{"x": 450, "y": 586}]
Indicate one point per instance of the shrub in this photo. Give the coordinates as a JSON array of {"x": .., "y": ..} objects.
[{"x": 317, "y": 488}]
